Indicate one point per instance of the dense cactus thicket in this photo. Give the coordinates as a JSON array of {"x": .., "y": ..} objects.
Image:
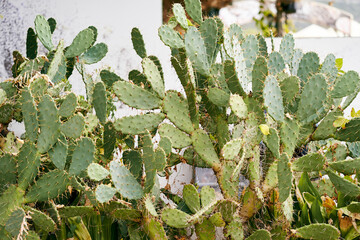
[{"x": 275, "y": 118}]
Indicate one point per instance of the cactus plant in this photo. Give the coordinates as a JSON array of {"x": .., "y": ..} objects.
[{"x": 272, "y": 118}]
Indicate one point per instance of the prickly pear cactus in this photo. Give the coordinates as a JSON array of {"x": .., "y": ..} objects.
[{"x": 269, "y": 124}]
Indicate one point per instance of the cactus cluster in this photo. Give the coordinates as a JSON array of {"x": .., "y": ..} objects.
[{"x": 274, "y": 118}]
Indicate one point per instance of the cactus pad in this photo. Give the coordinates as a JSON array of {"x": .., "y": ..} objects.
[
  {"x": 308, "y": 163},
  {"x": 104, "y": 193},
  {"x": 135, "y": 96},
  {"x": 153, "y": 75},
  {"x": 284, "y": 177},
  {"x": 124, "y": 182},
  {"x": 138, "y": 42},
  {"x": 43, "y": 32},
  {"x": 81, "y": 43},
  {"x": 273, "y": 98},
  {"x": 204, "y": 147},
  {"x": 40, "y": 191},
  {"x": 176, "y": 109},
  {"x": 74, "y": 127},
  {"x": 139, "y": 123}
]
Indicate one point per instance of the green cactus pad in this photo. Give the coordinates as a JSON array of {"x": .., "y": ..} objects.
[
  {"x": 28, "y": 164},
  {"x": 170, "y": 37},
  {"x": 81, "y": 43},
  {"x": 132, "y": 159},
  {"x": 135, "y": 96},
  {"x": 287, "y": 47},
  {"x": 196, "y": 51},
  {"x": 232, "y": 79},
  {"x": 14, "y": 224},
  {"x": 7, "y": 171},
  {"x": 59, "y": 152},
  {"x": 284, "y": 177},
  {"x": 208, "y": 31},
  {"x": 139, "y": 123},
  {"x": 52, "y": 24},
  {"x": 313, "y": 99},
  {"x": 347, "y": 167},
  {"x": 166, "y": 145},
  {"x": 56, "y": 62},
  {"x": 228, "y": 182},
  {"x": 176, "y": 109},
  {"x": 94, "y": 54},
  {"x": 99, "y": 101},
  {"x": 273, "y": 98},
  {"x": 104, "y": 193},
  {"x": 250, "y": 45},
  {"x": 155, "y": 229},
  {"x": 109, "y": 139},
  {"x": 49, "y": 124},
  {"x": 273, "y": 142},
  {"x": 38, "y": 87},
  {"x": 231, "y": 149},
  {"x": 289, "y": 133},
  {"x": 74, "y": 127},
  {"x": 326, "y": 128},
  {"x": 74, "y": 211},
  {"x": 308, "y": 163},
  {"x": 30, "y": 115},
  {"x": 125, "y": 182},
  {"x": 43, "y": 32},
  {"x": 68, "y": 106},
  {"x": 153, "y": 75},
  {"x": 261, "y": 234},
  {"x": 31, "y": 44},
  {"x": 41, "y": 220},
  {"x": 259, "y": 73},
  {"x": 205, "y": 230},
  {"x": 178, "y": 138},
  {"x": 329, "y": 68},
  {"x": 109, "y": 78},
  {"x": 351, "y": 131},
  {"x": 41, "y": 190},
  {"x": 235, "y": 229},
  {"x": 308, "y": 66},
  {"x": 207, "y": 196},
  {"x": 175, "y": 218},
  {"x": 275, "y": 63},
  {"x": 262, "y": 46},
  {"x": 233, "y": 31},
  {"x": 138, "y": 42},
  {"x": 238, "y": 106},
  {"x": 354, "y": 207},
  {"x": 290, "y": 87},
  {"x": 204, "y": 147},
  {"x": 295, "y": 61},
  {"x": 346, "y": 84},
  {"x": 31, "y": 235},
  {"x": 344, "y": 186},
  {"x": 218, "y": 96},
  {"x": 10, "y": 199},
  {"x": 97, "y": 172},
  {"x": 193, "y": 8},
  {"x": 191, "y": 198},
  {"x": 127, "y": 214},
  {"x": 82, "y": 156},
  {"x": 217, "y": 220},
  {"x": 227, "y": 208},
  {"x": 180, "y": 15},
  {"x": 318, "y": 231},
  {"x": 149, "y": 205}
]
